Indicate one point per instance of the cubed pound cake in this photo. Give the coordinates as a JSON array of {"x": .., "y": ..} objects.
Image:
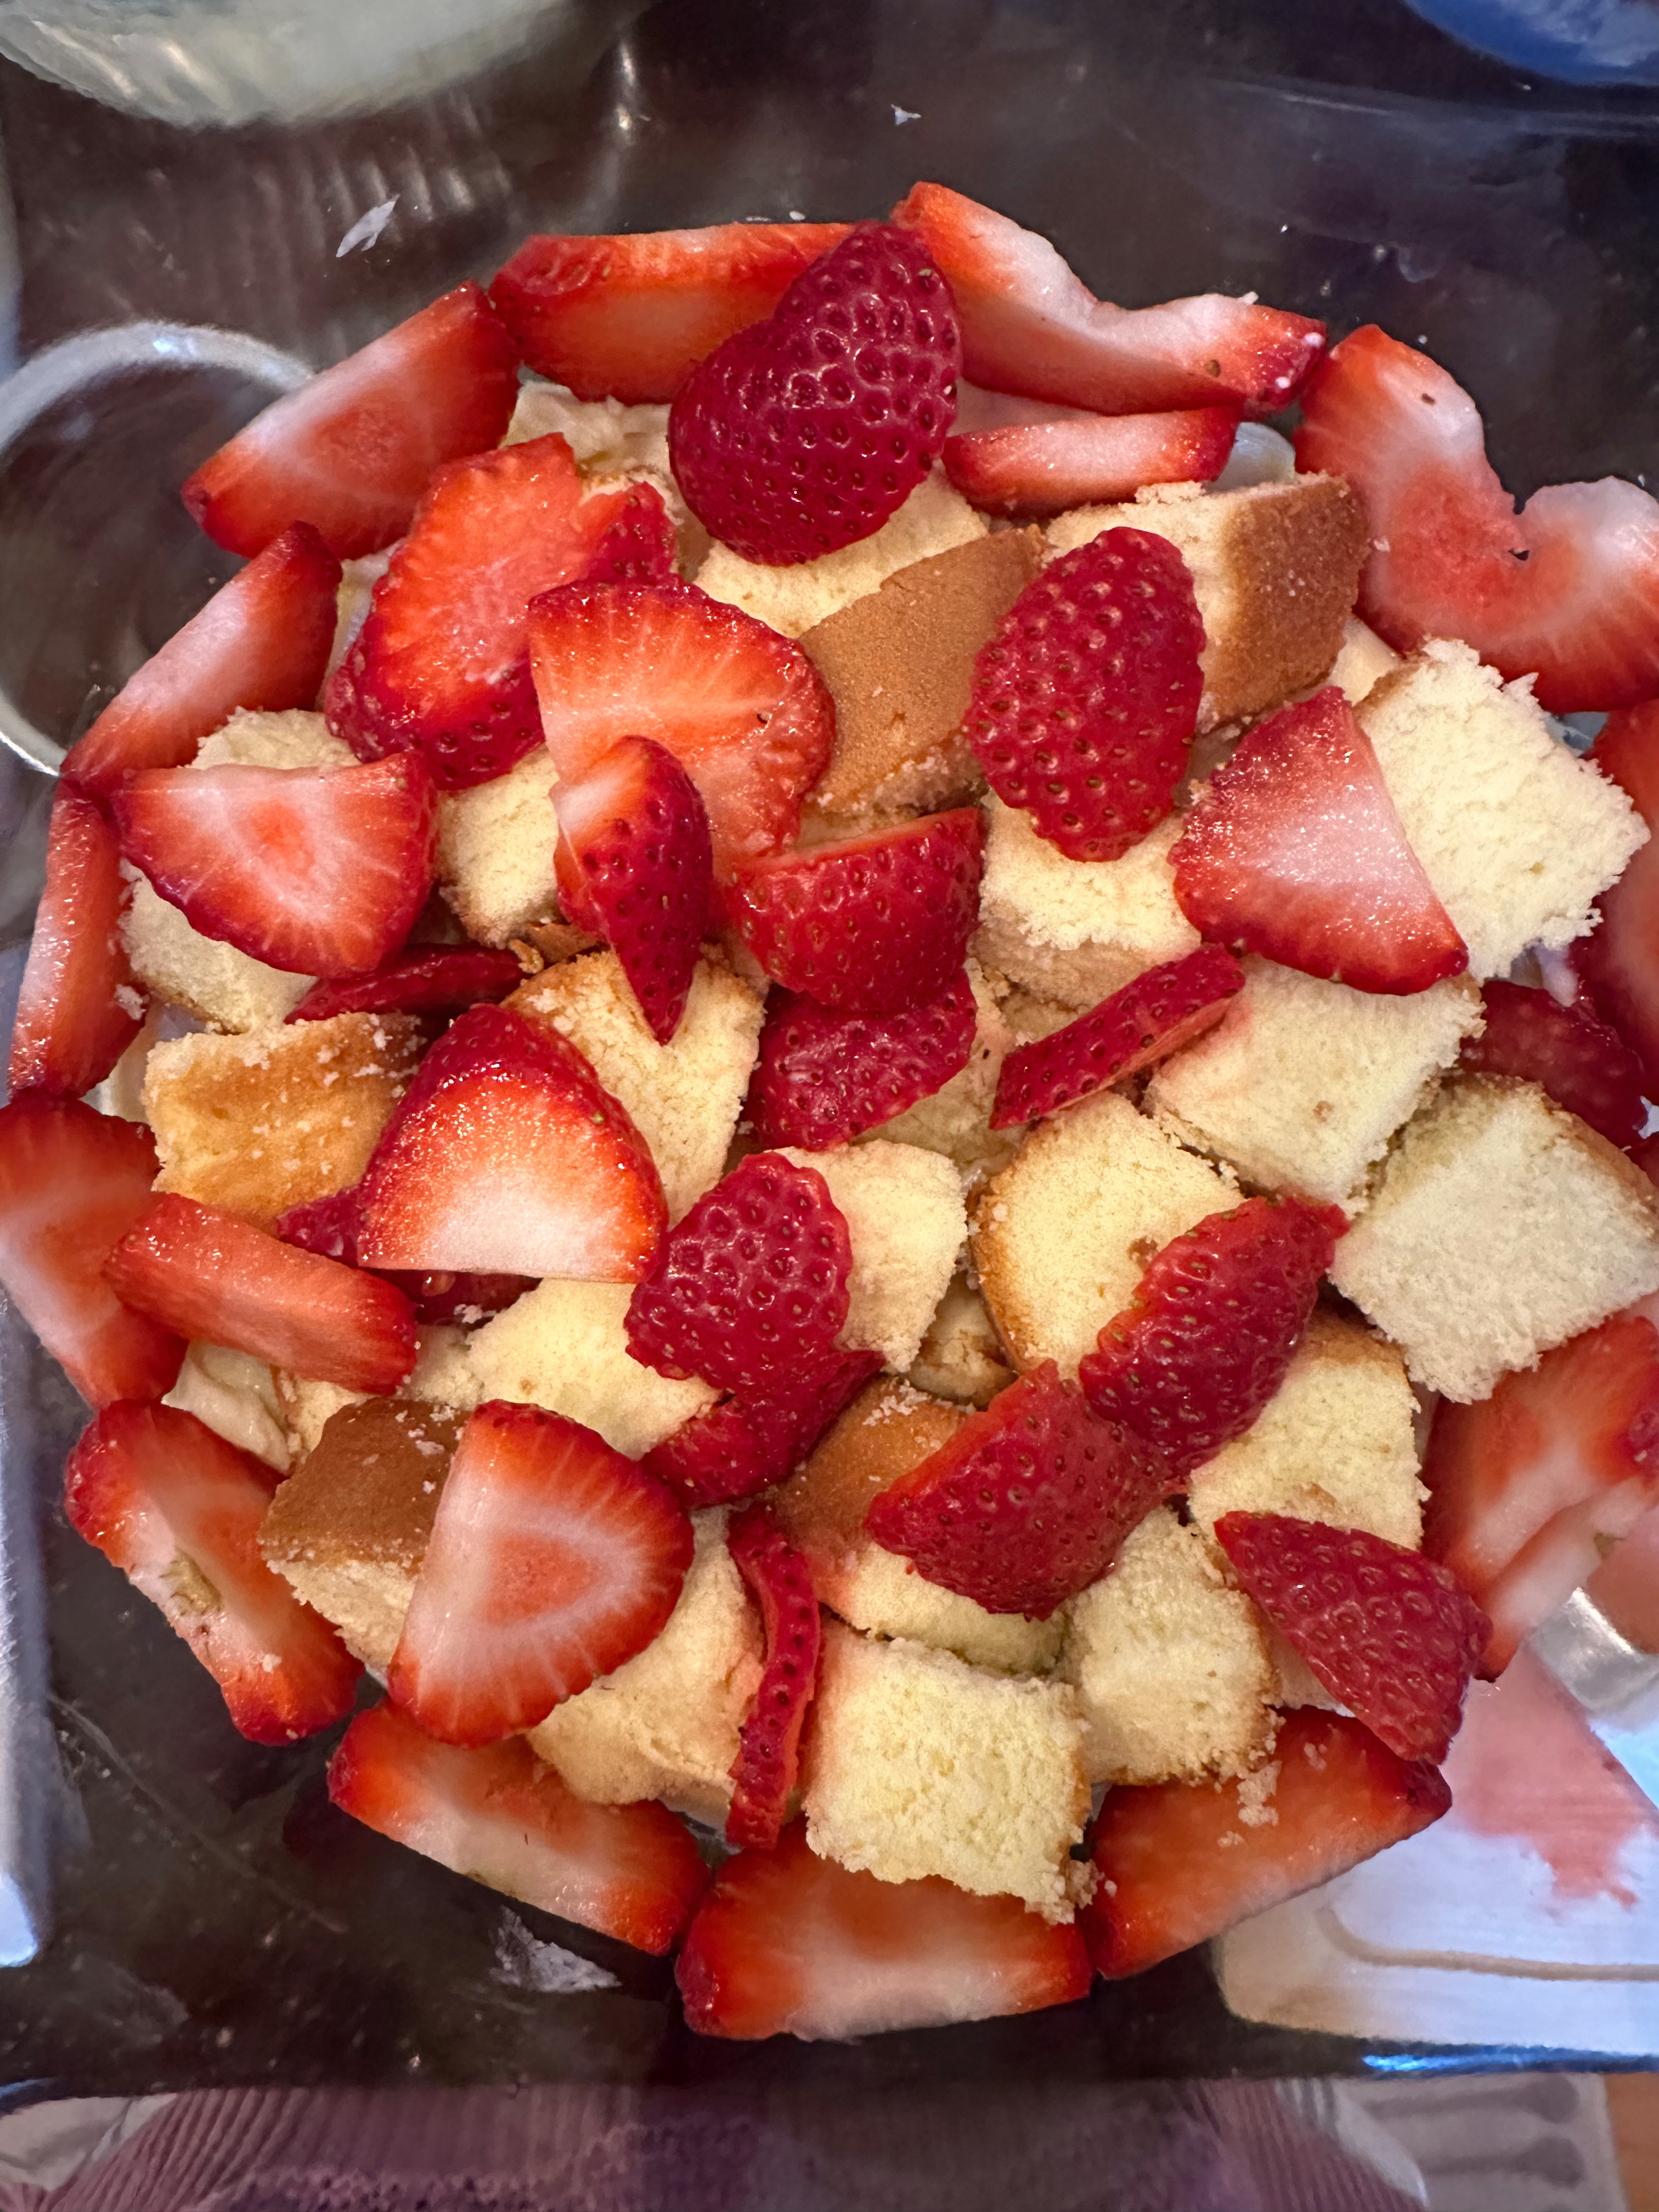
[
  {"x": 1363, "y": 663},
  {"x": 962, "y": 1356},
  {"x": 442, "y": 1376},
  {"x": 563, "y": 1346},
  {"x": 495, "y": 855},
  {"x": 915, "y": 1764},
  {"x": 1502, "y": 1225},
  {"x": 905, "y": 1223}
]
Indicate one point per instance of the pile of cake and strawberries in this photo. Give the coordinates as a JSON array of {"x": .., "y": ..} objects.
[{"x": 837, "y": 1108}]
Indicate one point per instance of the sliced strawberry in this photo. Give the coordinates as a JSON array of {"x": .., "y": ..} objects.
[
  {"x": 1153, "y": 1016},
  {"x": 439, "y": 667},
  {"x": 635, "y": 862},
  {"x": 1583, "y": 1065},
  {"x": 1026, "y": 1504},
  {"x": 1040, "y": 469},
  {"x": 1619, "y": 962},
  {"x": 208, "y": 1273},
  {"x": 1182, "y": 1861},
  {"x": 351, "y": 451},
  {"x": 742, "y": 709},
  {"x": 787, "y": 1943},
  {"x": 329, "y": 1225},
  {"x": 764, "y": 1772},
  {"x": 1085, "y": 698},
  {"x": 751, "y": 1285},
  {"x": 745, "y": 1444},
  {"x": 1294, "y": 849},
  {"x": 262, "y": 642},
  {"x": 426, "y": 979},
  {"x": 1522, "y": 1486},
  {"x": 506, "y": 1156},
  {"x": 72, "y": 1183},
  {"x": 78, "y": 1007},
  {"x": 804, "y": 433},
  {"x": 1029, "y": 324},
  {"x": 1393, "y": 1636},
  {"x": 500, "y": 1818},
  {"x": 178, "y": 1509},
  {"x": 326, "y": 1225},
  {"x": 552, "y": 1559},
  {"x": 1567, "y": 589},
  {"x": 822, "y": 1078},
  {"x": 627, "y": 317},
  {"x": 641, "y": 546},
  {"x": 875, "y": 926},
  {"x": 318, "y": 870}
]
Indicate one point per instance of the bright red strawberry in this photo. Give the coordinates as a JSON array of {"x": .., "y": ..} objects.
[
  {"x": 641, "y": 546},
  {"x": 78, "y": 1007},
  {"x": 1522, "y": 1485},
  {"x": 209, "y": 1274},
  {"x": 745, "y": 1444},
  {"x": 178, "y": 1509},
  {"x": 1393, "y": 1636},
  {"x": 1026, "y": 1504},
  {"x": 635, "y": 863},
  {"x": 506, "y": 1156},
  {"x": 742, "y": 709},
  {"x": 432, "y": 978},
  {"x": 1153, "y": 1016},
  {"x": 351, "y": 451},
  {"x": 318, "y": 870},
  {"x": 804, "y": 433},
  {"x": 1568, "y": 588},
  {"x": 1294, "y": 849},
  {"x": 822, "y": 1078},
  {"x": 627, "y": 317},
  {"x": 439, "y": 667},
  {"x": 1619, "y": 962},
  {"x": 1029, "y": 324},
  {"x": 1583, "y": 1065},
  {"x": 329, "y": 1225},
  {"x": 552, "y": 1559},
  {"x": 261, "y": 641},
  {"x": 72, "y": 1183},
  {"x": 875, "y": 926},
  {"x": 1181, "y": 1862},
  {"x": 1085, "y": 698},
  {"x": 750, "y": 1287},
  {"x": 1040, "y": 469},
  {"x": 764, "y": 1772},
  {"x": 1213, "y": 1324},
  {"x": 500, "y": 1818},
  {"x": 787, "y": 1943}
]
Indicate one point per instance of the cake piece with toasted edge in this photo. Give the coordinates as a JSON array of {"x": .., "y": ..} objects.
[
  {"x": 442, "y": 1377},
  {"x": 494, "y": 851},
  {"x": 906, "y": 1223},
  {"x": 962, "y": 1356}
]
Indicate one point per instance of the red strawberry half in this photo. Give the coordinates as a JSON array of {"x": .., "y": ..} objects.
[
  {"x": 1085, "y": 698},
  {"x": 1393, "y": 1636},
  {"x": 1583, "y": 1065},
  {"x": 427, "y": 980},
  {"x": 498, "y": 1816},
  {"x": 261, "y": 641},
  {"x": 1619, "y": 962},
  {"x": 351, "y": 451},
  {"x": 746, "y": 1444},
  {"x": 78, "y": 1007},
  {"x": 640, "y": 545},
  {"x": 822, "y": 1078},
  {"x": 178, "y": 1509},
  {"x": 1294, "y": 849},
  {"x": 318, "y": 870},
  {"x": 506, "y": 1156},
  {"x": 552, "y": 1559},
  {"x": 1040, "y": 469},
  {"x": 72, "y": 1183},
  {"x": 1568, "y": 588},
  {"x": 1153, "y": 1016},
  {"x": 1029, "y": 326},
  {"x": 787, "y": 1943},
  {"x": 1213, "y": 1325},
  {"x": 769, "y": 1744},
  {"x": 875, "y": 926},
  {"x": 804, "y": 433}
]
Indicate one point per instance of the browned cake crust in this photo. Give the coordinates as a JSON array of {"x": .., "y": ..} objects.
[
  {"x": 1295, "y": 564},
  {"x": 369, "y": 1491},
  {"x": 887, "y": 1430}
]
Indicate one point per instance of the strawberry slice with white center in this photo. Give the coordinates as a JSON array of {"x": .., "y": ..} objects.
[
  {"x": 72, "y": 1183},
  {"x": 628, "y": 317},
  {"x": 1617, "y": 962},
  {"x": 1029, "y": 326},
  {"x": 1523, "y": 1485},
  {"x": 78, "y": 1007},
  {"x": 746, "y": 1444},
  {"x": 351, "y": 451},
  {"x": 764, "y": 1772},
  {"x": 552, "y": 1559},
  {"x": 1567, "y": 589},
  {"x": 506, "y": 1157},
  {"x": 317, "y": 871},
  {"x": 824, "y": 1078},
  {"x": 1583, "y": 1065},
  {"x": 1035, "y": 470},
  {"x": 635, "y": 862},
  {"x": 179, "y": 1510},
  {"x": 1294, "y": 849},
  {"x": 500, "y": 1818},
  {"x": 329, "y": 1225},
  {"x": 1181, "y": 1862},
  {"x": 787, "y": 1943},
  {"x": 208, "y": 1273},
  {"x": 437, "y": 979},
  {"x": 640, "y": 545},
  {"x": 262, "y": 642},
  {"x": 742, "y": 709}
]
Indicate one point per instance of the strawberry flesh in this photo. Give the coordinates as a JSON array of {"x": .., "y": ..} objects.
[
  {"x": 1583, "y": 1065},
  {"x": 78, "y": 1005},
  {"x": 764, "y": 1772},
  {"x": 1617, "y": 962},
  {"x": 329, "y": 1225},
  {"x": 427, "y": 980},
  {"x": 745, "y": 1444},
  {"x": 1036, "y": 470},
  {"x": 640, "y": 545},
  {"x": 822, "y": 1078}
]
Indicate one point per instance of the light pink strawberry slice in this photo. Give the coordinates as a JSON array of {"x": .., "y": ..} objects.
[{"x": 1040, "y": 469}]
